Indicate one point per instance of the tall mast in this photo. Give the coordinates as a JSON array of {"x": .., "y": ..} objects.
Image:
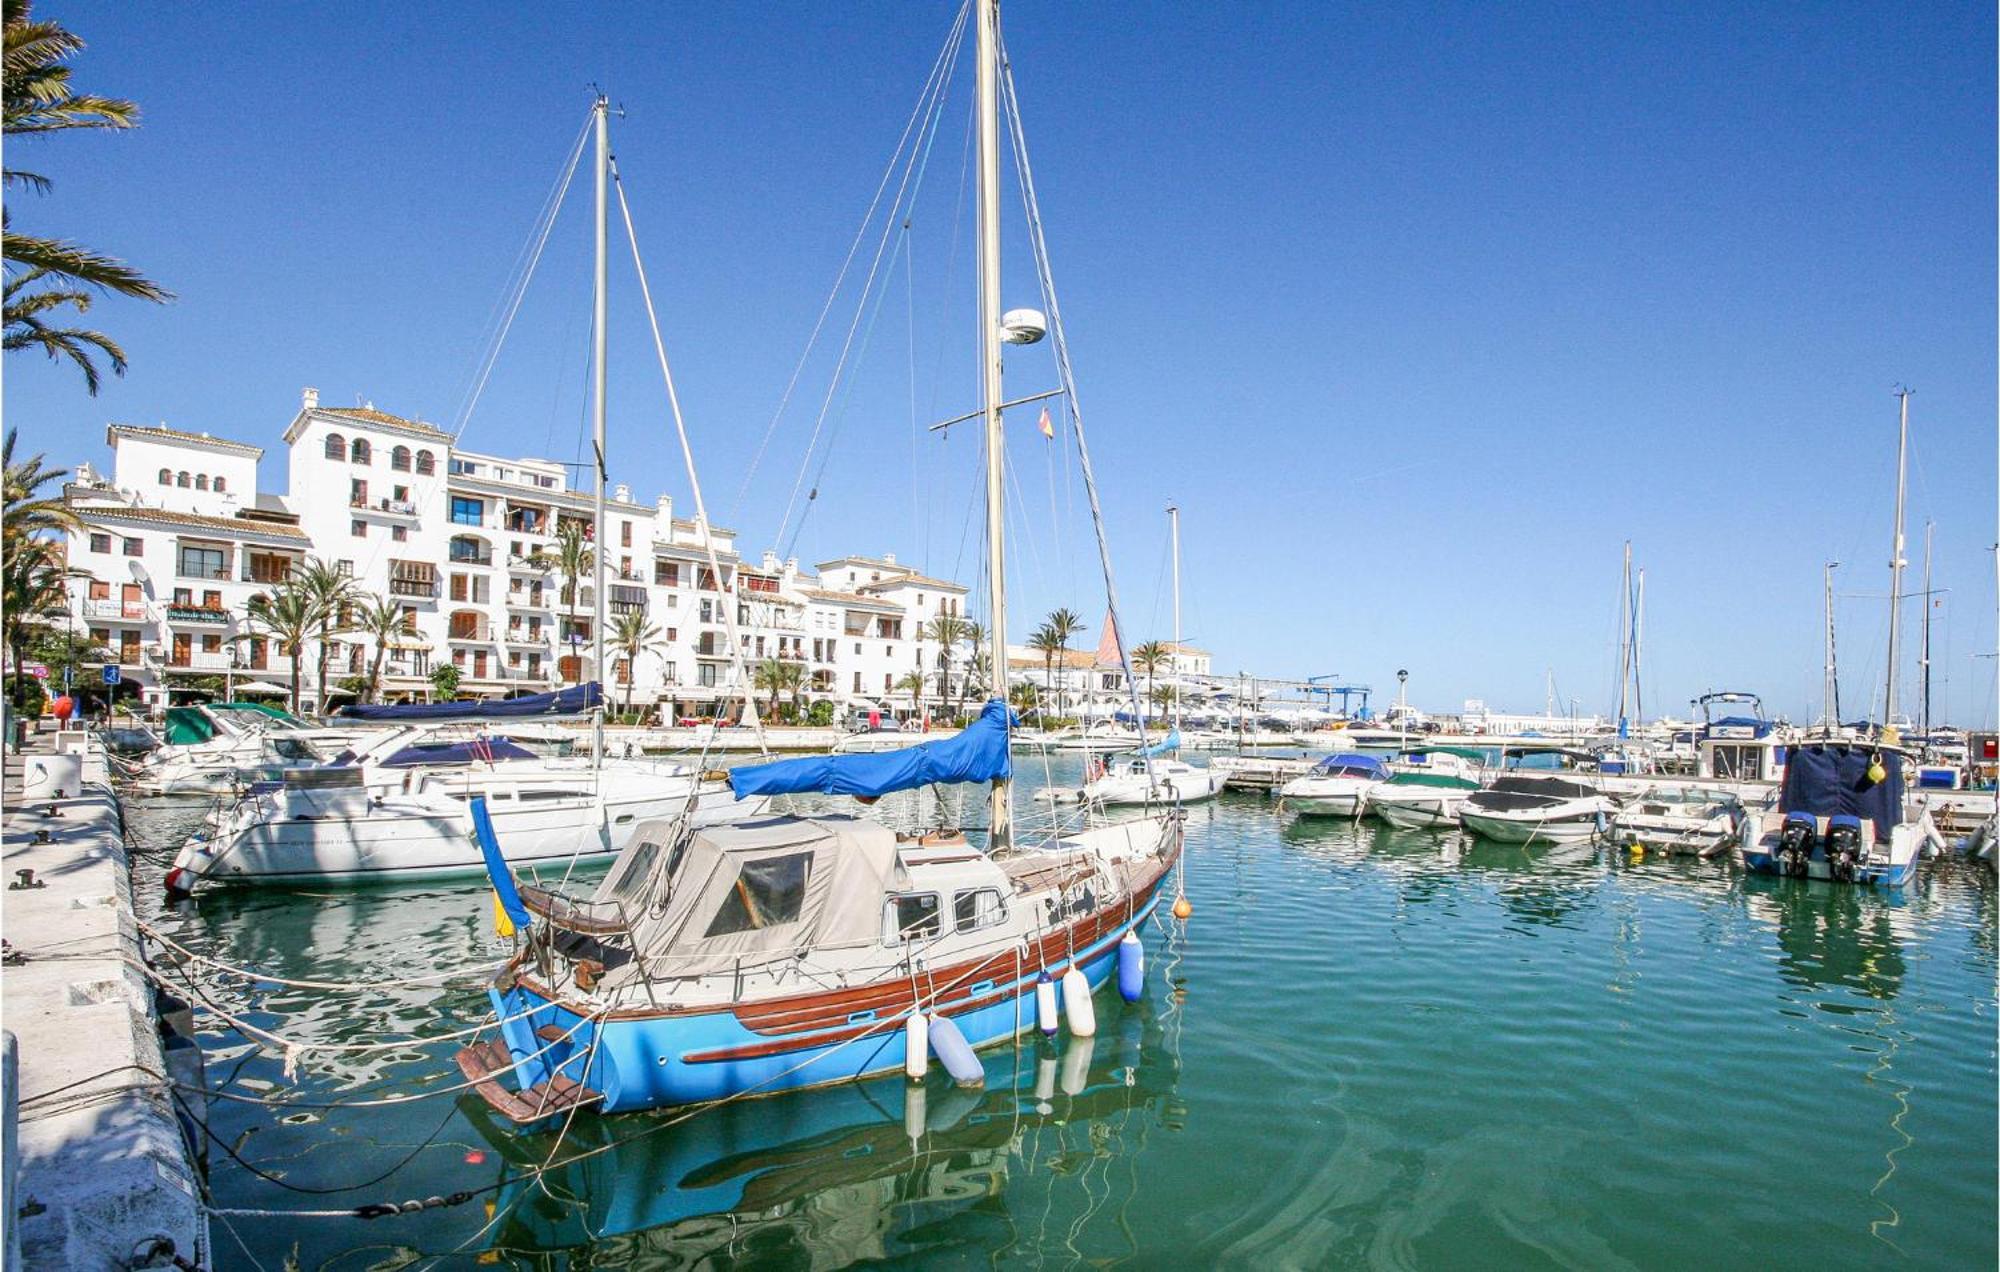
[
  {"x": 1896, "y": 559},
  {"x": 1924, "y": 654},
  {"x": 1624, "y": 638},
  {"x": 1000, "y": 837},
  {"x": 1832, "y": 688},
  {"x": 1174, "y": 533},
  {"x": 597, "y": 362},
  {"x": 1639, "y": 647}
]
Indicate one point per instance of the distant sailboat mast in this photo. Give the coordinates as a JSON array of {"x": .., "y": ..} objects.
[
  {"x": 1896, "y": 559},
  {"x": 1832, "y": 687},
  {"x": 602, "y": 111},
  {"x": 1924, "y": 652},
  {"x": 1174, "y": 534}
]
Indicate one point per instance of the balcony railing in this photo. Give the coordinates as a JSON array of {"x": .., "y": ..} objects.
[
  {"x": 113, "y": 609},
  {"x": 461, "y": 556},
  {"x": 200, "y": 660},
  {"x": 189, "y": 613},
  {"x": 216, "y": 572},
  {"x": 412, "y": 587}
]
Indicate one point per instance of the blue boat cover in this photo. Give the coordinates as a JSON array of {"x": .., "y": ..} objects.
[
  {"x": 978, "y": 754},
  {"x": 574, "y": 700},
  {"x": 1340, "y": 760},
  {"x": 1826, "y": 779},
  {"x": 1171, "y": 742},
  {"x": 470, "y": 751},
  {"x": 496, "y": 866}
]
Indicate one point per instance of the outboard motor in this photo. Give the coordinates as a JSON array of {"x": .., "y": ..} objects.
[
  {"x": 1843, "y": 847},
  {"x": 1795, "y": 844}
]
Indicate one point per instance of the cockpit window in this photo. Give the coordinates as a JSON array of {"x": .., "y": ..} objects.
[{"x": 767, "y": 892}]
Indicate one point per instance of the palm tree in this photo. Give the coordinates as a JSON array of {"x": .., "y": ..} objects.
[
  {"x": 1065, "y": 624},
  {"x": 778, "y": 676},
  {"x": 574, "y": 559},
  {"x": 288, "y": 615},
  {"x": 1025, "y": 697},
  {"x": 912, "y": 683},
  {"x": 381, "y": 618},
  {"x": 1149, "y": 658},
  {"x": 947, "y": 630},
  {"x": 28, "y": 510},
  {"x": 39, "y": 100},
  {"x": 631, "y": 636},
  {"x": 31, "y": 591},
  {"x": 1045, "y": 642},
  {"x": 328, "y": 591}
]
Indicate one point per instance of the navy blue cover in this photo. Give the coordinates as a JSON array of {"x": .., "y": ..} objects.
[
  {"x": 1353, "y": 760},
  {"x": 574, "y": 700},
  {"x": 978, "y": 754},
  {"x": 472, "y": 751},
  {"x": 1826, "y": 778}
]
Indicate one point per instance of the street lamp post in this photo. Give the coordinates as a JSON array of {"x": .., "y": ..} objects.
[{"x": 1402, "y": 709}]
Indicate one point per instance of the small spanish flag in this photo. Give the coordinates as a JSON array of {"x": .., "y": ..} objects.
[{"x": 1048, "y": 429}]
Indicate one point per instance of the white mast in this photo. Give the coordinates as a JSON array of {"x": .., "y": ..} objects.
[
  {"x": 1000, "y": 837},
  {"x": 1896, "y": 560},
  {"x": 597, "y": 362},
  {"x": 1624, "y": 637},
  {"x": 1174, "y": 529},
  {"x": 1924, "y": 653},
  {"x": 1832, "y": 688},
  {"x": 1639, "y": 648}
]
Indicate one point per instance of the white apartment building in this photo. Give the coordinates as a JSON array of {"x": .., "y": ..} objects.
[{"x": 179, "y": 537}]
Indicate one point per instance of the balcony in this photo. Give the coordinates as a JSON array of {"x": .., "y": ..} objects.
[
  {"x": 133, "y": 610},
  {"x": 467, "y": 556},
  {"x": 517, "y": 637},
  {"x": 213, "y": 573},
  {"x": 424, "y": 588},
  {"x": 200, "y": 660},
  {"x": 180, "y": 613}
]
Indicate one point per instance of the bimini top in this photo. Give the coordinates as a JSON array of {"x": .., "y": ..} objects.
[
  {"x": 977, "y": 754},
  {"x": 1352, "y": 764},
  {"x": 574, "y": 700},
  {"x": 1827, "y": 778}
]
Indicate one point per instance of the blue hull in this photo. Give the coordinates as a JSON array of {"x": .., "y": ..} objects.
[
  {"x": 1757, "y": 861},
  {"x": 641, "y": 1063}
]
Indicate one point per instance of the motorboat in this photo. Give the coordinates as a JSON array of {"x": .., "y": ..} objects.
[
  {"x": 1679, "y": 821},
  {"x": 1840, "y": 817},
  {"x": 398, "y": 809},
  {"x": 888, "y": 736},
  {"x": 1140, "y": 779},
  {"x": 1519, "y": 807},
  {"x": 1336, "y": 786},
  {"x": 787, "y": 952},
  {"x": 1426, "y": 786},
  {"x": 210, "y": 750}
]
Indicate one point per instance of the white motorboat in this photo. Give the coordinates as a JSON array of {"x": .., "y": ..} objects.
[
  {"x": 1679, "y": 821},
  {"x": 1426, "y": 786},
  {"x": 1138, "y": 780},
  {"x": 1521, "y": 808},
  {"x": 382, "y": 821},
  {"x": 888, "y": 737},
  {"x": 1337, "y": 786},
  {"x": 1841, "y": 817}
]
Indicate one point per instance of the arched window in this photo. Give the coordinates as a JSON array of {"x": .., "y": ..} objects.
[
  {"x": 219, "y": 487},
  {"x": 425, "y": 464},
  {"x": 399, "y": 459},
  {"x": 336, "y": 446},
  {"x": 166, "y": 476},
  {"x": 201, "y": 481},
  {"x": 181, "y": 480},
  {"x": 361, "y": 453}
]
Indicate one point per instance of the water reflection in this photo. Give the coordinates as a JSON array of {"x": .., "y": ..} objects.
[
  {"x": 857, "y": 1172},
  {"x": 1833, "y": 937}
]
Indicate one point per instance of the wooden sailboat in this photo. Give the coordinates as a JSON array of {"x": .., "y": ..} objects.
[{"x": 789, "y": 952}]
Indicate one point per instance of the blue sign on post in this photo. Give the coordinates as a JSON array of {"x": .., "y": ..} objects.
[{"x": 111, "y": 675}]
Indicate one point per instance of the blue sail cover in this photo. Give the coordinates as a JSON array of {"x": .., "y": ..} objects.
[
  {"x": 572, "y": 701},
  {"x": 474, "y": 751},
  {"x": 1171, "y": 742},
  {"x": 978, "y": 754},
  {"x": 1352, "y": 763},
  {"x": 1825, "y": 779}
]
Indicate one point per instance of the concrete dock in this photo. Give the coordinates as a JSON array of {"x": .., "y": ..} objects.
[{"x": 105, "y": 1178}]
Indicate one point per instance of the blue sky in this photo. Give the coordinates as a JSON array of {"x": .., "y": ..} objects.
[{"x": 1418, "y": 313}]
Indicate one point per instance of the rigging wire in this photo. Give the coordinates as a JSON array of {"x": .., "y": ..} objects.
[{"x": 944, "y": 59}]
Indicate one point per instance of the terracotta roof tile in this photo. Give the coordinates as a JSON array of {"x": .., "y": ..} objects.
[
  {"x": 369, "y": 415},
  {"x": 181, "y": 435},
  {"x": 161, "y": 516}
]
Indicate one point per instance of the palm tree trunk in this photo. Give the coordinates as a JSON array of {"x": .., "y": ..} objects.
[
  {"x": 375, "y": 672},
  {"x": 296, "y": 651}
]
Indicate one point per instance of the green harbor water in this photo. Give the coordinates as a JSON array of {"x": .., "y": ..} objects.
[{"x": 1367, "y": 1047}]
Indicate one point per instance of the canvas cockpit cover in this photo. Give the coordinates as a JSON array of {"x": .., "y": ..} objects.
[
  {"x": 1351, "y": 764},
  {"x": 749, "y": 893},
  {"x": 1827, "y": 779},
  {"x": 1509, "y": 794}
]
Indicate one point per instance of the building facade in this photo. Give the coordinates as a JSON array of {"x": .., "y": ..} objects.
[{"x": 176, "y": 541}]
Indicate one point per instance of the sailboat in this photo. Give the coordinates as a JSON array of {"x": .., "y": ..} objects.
[
  {"x": 794, "y": 951},
  {"x": 1156, "y": 774}
]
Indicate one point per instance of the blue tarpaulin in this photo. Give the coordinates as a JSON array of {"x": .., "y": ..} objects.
[
  {"x": 475, "y": 751},
  {"x": 574, "y": 700},
  {"x": 1825, "y": 779},
  {"x": 978, "y": 754},
  {"x": 1354, "y": 763},
  {"x": 1171, "y": 742}
]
